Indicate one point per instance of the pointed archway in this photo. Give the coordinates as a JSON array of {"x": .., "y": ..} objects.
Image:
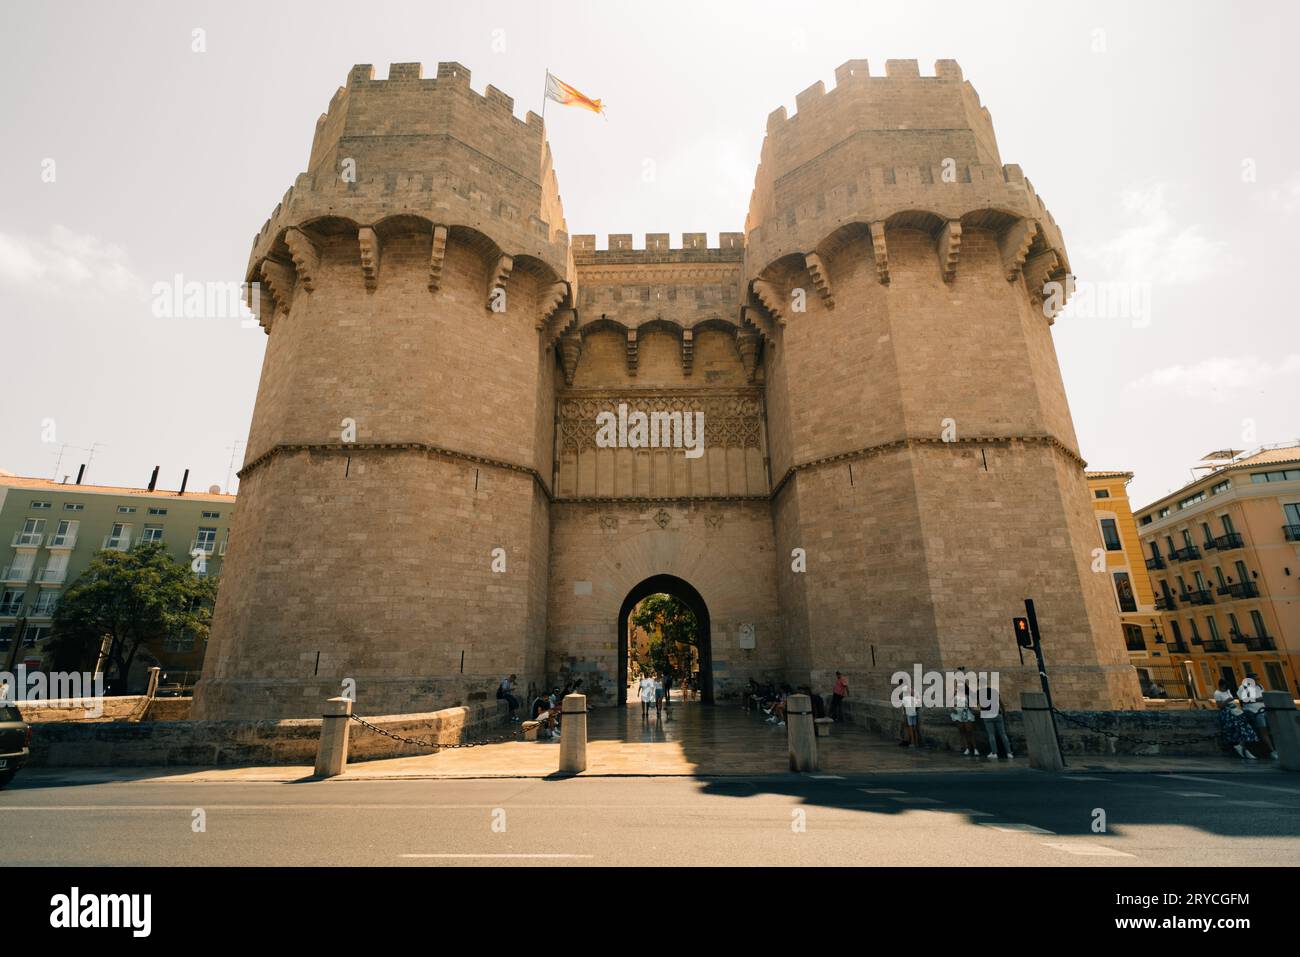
[{"x": 684, "y": 592}]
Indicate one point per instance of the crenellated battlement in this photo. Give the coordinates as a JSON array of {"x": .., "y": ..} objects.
[{"x": 656, "y": 246}]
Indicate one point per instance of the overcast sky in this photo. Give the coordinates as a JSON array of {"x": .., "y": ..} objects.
[{"x": 1161, "y": 135}]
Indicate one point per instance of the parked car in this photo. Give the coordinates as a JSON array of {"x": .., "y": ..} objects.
[{"x": 15, "y": 742}]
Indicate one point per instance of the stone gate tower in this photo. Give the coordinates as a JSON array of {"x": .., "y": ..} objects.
[{"x": 424, "y": 507}]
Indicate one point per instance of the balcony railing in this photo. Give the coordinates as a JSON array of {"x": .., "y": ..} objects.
[
  {"x": 1178, "y": 648},
  {"x": 52, "y": 576},
  {"x": 202, "y": 545},
  {"x": 16, "y": 574},
  {"x": 1156, "y": 562},
  {"x": 119, "y": 544},
  {"x": 1260, "y": 643},
  {"x": 1239, "y": 590},
  {"x": 11, "y": 609},
  {"x": 1188, "y": 553},
  {"x": 1200, "y": 596},
  {"x": 68, "y": 540},
  {"x": 224, "y": 544},
  {"x": 1166, "y": 603},
  {"x": 1292, "y": 532},
  {"x": 1216, "y": 646},
  {"x": 41, "y": 611},
  {"x": 28, "y": 539},
  {"x": 1226, "y": 543}
]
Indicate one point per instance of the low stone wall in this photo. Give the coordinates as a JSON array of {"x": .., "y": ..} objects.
[
  {"x": 112, "y": 708},
  {"x": 1183, "y": 732},
  {"x": 217, "y": 743}
]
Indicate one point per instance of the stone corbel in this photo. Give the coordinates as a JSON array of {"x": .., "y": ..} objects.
[
  {"x": 561, "y": 322},
  {"x": 570, "y": 350},
  {"x": 747, "y": 345},
  {"x": 1038, "y": 271},
  {"x": 436, "y": 257},
  {"x": 881, "y": 251},
  {"x": 278, "y": 279},
  {"x": 771, "y": 299},
  {"x": 821, "y": 279},
  {"x": 498, "y": 276},
  {"x": 552, "y": 299},
  {"x": 1015, "y": 243},
  {"x": 369, "y": 245},
  {"x": 306, "y": 258},
  {"x": 949, "y": 249},
  {"x": 688, "y": 350}
]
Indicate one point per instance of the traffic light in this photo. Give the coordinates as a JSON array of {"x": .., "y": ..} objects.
[{"x": 1024, "y": 637}]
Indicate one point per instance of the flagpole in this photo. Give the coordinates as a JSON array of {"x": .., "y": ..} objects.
[{"x": 546, "y": 85}]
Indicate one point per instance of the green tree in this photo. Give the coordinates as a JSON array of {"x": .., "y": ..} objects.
[
  {"x": 672, "y": 626},
  {"x": 126, "y": 600}
]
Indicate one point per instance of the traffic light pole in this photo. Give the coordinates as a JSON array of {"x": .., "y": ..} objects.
[{"x": 1042, "y": 671}]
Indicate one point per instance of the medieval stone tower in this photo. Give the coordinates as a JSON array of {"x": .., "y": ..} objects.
[{"x": 425, "y": 504}]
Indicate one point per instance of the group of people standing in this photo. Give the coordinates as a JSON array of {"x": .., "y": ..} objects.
[{"x": 1243, "y": 720}]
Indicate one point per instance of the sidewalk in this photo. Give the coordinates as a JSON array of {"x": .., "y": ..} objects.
[{"x": 691, "y": 740}]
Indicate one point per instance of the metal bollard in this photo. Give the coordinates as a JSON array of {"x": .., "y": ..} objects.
[
  {"x": 332, "y": 753},
  {"x": 1283, "y": 728},
  {"x": 1040, "y": 732},
  {"x": 573, "y": 734},
  {"x": 801, "y": 733}
]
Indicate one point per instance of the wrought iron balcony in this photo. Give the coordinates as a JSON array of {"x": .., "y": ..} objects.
[
  {"x": 1260, "y": 643},
  {"x": 1166, "y": 603},
  {"x": 1156, "y": 562},
  {"x": 1226, "y": 543},
  {"x": 1178, "y": 648},
  {"x": 1200, "y": 596},
  {"x": 1239, "y": 590},
  {"x": 1215, "y": 646},
  {"x": 1188, "y": 553},
  {"x": 1292, "y": 532}
]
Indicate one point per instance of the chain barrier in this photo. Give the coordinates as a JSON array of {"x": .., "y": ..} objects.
[
  {"x": 434, "y": 746},
  {"x": 1166, "y": 742}
]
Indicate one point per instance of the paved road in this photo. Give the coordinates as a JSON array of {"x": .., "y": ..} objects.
[{"x": 998, "y": 817}]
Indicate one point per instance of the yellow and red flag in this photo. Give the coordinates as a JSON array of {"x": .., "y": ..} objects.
[{"x": 565, "y": 95}]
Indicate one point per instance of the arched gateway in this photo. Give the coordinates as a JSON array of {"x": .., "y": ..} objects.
[
  {"x": 684, "y": 592},
  {"x": 477, "y": 437}
]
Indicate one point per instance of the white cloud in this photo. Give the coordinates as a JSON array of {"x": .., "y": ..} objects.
[
  {"x": 1284, "y": 198},
  {"x": 1153, "y": 248},
  {"x": 1220, "y": 377},
  {"x": 66, "y": 262}
]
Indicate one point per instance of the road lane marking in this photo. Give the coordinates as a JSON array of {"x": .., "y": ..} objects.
[
  {"x": 1236, "y": 783},
  {"x": 880, "y": 791},
  {"x": 1086, "y": 849},
  {"x": 545, "y": 857},
  {"x": 1080, "y": 777},
  {"x": 1196, "y": 794},
  {"x": 969, "y": 811},
  {"x": 1015, "y": 828},
  {"x": 1257, "y": 804},
  {"x": 906, "y": 799}
]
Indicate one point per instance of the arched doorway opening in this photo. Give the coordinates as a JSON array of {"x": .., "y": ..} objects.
[{"x": 685, "y": 593}]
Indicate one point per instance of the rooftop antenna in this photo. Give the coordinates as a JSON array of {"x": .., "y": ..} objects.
[
  {"x": 91, "y": 450},
  {"x": 231, "y": 467}
]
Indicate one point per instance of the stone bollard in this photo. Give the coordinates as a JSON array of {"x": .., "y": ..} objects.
[
  {"x": 1040, "y": 732},
  {"x": 1283, "y": 728},
  {"x": 573, "y": 734},
  {"x": 801, "y": 733},
  {"x": 332, "y": 753}
]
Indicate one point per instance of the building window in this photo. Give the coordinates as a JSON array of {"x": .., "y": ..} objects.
[
  {"x": 1196, "y": 632},
  {"x": 1124, "y": 591},
  {"x": 207, "y": 540},
  {"x": 1276, "y": 679},
  {"x": 1228, "y": 527},
  {"x": 126, "y": 509},
  {"x": 46, "y": 602},
  {"x": 33, "y": 532},
  {"x": 1103, "y": 493},
  {"x": 1221, "y": 487},
  {"x": 11, "y": 602},
  {"x": 1133, "y": 639},
  {"x": 1257, "y": 620},
  {"x": 1214, "y": 628},
  {"x": 1176, "y": 631},
  {"x": 1242, "y": 574},
  {"x": 157, "y": 511},
  {"x": 1145, "y": 520},
  {"x": 212, "y": 515},
  {"x": 73, "y": 507},
  {"x": 1209, "y": 535},
  {"x": 152, "y": 533},
  {"x": 1110, "y": 535},
  {"x": 1163, "y": 513},
  {"x": 1191, "y": 500},
  {"x": 120, "y": 538},
  {"x": 39, "y": 505}
]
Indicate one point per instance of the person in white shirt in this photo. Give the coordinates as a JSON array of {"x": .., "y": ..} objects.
[
  {"x": 911, "y": 717},
  {"x": 995, "y": 725},
  {"x": 647, "y": 694},
  {"x": 1236, "y": 730},
  {"x": 1251, "y": 696}
]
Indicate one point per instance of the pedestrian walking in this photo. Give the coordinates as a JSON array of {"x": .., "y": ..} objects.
[
  {"x": 647, "y": 694},
  {"x": 839, "y": 692},
  {"x": 659, "y": 695}
]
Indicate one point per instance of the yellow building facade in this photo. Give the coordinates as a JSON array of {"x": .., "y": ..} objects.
[{"x": 1223, "y": 553}]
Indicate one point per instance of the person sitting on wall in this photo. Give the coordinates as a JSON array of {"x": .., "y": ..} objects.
[
  {"x": 543, "y": 712},
  {"x": 1252, "y": 705},
  {"x": 505, "y": 692}
]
